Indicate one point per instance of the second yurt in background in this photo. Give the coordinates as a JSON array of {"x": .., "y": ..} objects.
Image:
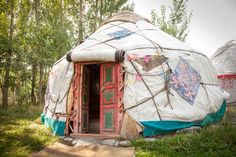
[{"x": 224, "y": 61}]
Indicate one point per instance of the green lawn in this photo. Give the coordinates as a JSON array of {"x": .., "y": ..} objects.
[
  {"x": 21, "y": 132},
  {"x": 212, "y": 141}
]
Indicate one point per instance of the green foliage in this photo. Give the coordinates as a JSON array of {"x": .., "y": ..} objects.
[
  {"x": 210, "y": 141},
  {"x": 21, "y": 132},
  {"x": 177, "y": 24},
  {"x": 36, "y": 33},
  {"x": 98, "y": 11}
]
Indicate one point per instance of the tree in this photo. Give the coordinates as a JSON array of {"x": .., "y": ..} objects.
[
  {"x": 9, "y": 12},
  {"x": 177, "y": 24},
  {"x": 95, "y": 13},
  {"x": 36, "y": 33}
]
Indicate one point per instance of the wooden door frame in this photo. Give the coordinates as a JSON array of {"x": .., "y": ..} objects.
[
  {"x": 75, "y": 111},
  {"x": 77, "y": 90},
  {"x": 77, "y": 97}
]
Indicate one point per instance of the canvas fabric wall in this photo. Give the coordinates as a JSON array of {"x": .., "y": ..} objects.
[{"x": 54, "y": 115}]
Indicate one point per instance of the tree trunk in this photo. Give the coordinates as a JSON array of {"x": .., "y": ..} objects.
[
  {"x": 101, "y": 12},
  {"x": 18, "y": 93},
  {"x": 40, "y": 93},
  {"x": 1, "y": 95},
  {"x": 34, "y": 72},
  {"x": 8, "y": 59},
  {"x": 96, "y": 16},
  {"x": 37, "y": 52},
  {"x": 6, "y": 80},
  {"x": 81, "y": 21},
  {"x": 62, "y": 13}
]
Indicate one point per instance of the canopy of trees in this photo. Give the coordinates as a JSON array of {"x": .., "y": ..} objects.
[
  {"x": 36, "y": 33},
  {"x": 177, "y": 24}
]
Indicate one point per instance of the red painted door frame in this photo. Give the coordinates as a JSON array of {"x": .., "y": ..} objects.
[
  {"x": 114, "y": 88},
  {"x": 80, "y": 107},
  {"x": 76, "y": 96}
]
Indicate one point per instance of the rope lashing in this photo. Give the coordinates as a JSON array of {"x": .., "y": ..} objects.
[{"x": 155, "y": 104}]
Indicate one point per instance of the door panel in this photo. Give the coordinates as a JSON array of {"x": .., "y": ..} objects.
[
  {"x": 109, "y": 91},
  {"x": 84, "y": 108},
  {"x": 108, "y": 121},
  {"x": 108, "y": 71},
  {"x": 108, "y": 96},
  {"x": 84, "y": 120}
]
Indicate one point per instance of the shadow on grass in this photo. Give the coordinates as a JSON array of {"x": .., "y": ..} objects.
[
  {"x": 19, "y": 134},
  {"x": 11, "y": 114}
]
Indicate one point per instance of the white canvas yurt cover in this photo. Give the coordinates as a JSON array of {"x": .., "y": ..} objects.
[
  {"x": 167, "y": 85},
  {"x": 224, "y": 61}
]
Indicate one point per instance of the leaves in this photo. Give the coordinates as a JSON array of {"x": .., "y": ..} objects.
[
  {"x": 177, "y": 24},
  {"x": 38, "y": 33}
]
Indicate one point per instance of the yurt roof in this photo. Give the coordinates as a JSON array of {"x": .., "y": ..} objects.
[
  {"x": 130, "y": 32},
  {"x": 224, "y": 59},
  {"x": 126, "y": 16}
]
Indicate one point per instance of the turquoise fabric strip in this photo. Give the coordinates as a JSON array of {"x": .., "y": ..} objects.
[
  {"x": 153, "y": 128},
  {"x": 56, "y": 126}
]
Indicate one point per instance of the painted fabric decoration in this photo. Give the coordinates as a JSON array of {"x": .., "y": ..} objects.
[
  {"x": 185, "y": 80},
  {"x": 120, "y": 34},
  {"x": 138, "y": 77},
  {"x": 132, "y": 57},
  {"x": 150, "y": 62},
  {"x": 129, "y": 82},
  {"x": 229, "y": 85},
  {"x": 226, "y": 84}
]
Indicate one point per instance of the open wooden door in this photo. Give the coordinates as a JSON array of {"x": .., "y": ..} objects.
[
  {"x": 84, "y": 107},
  {"x": 73, "y": 119},
  {"x": 110, "y": 97}
]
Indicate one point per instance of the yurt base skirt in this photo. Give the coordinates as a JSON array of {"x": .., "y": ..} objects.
[
  {"x": 153, "y": 128},
  {"x": 56, "y": 126}
]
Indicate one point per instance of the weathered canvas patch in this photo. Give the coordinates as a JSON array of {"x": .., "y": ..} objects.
[
  {"x": 185, "y": 80},
  {"x": 150, "y": 62}
]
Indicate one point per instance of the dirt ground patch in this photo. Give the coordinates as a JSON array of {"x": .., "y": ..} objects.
[{"x": 96, "y": 150}]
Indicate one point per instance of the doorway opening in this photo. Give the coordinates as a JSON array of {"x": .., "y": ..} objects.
[{"x": 93, "y": 79}]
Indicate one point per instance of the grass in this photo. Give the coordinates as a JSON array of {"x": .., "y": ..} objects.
[
  {"x": 21, "y": 132},
  {"x": 212, "y": 141}
]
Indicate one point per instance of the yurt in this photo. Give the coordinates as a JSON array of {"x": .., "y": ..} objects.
[
  {"x": 224, "y": 61},
  {"x": 128, "y": 79}
]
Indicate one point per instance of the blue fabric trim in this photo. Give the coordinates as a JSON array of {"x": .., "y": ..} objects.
[
  {"x": 57, "y": 126},
  {"x": 120, "y": 34},
  {"x": 153, "y": 128}
]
